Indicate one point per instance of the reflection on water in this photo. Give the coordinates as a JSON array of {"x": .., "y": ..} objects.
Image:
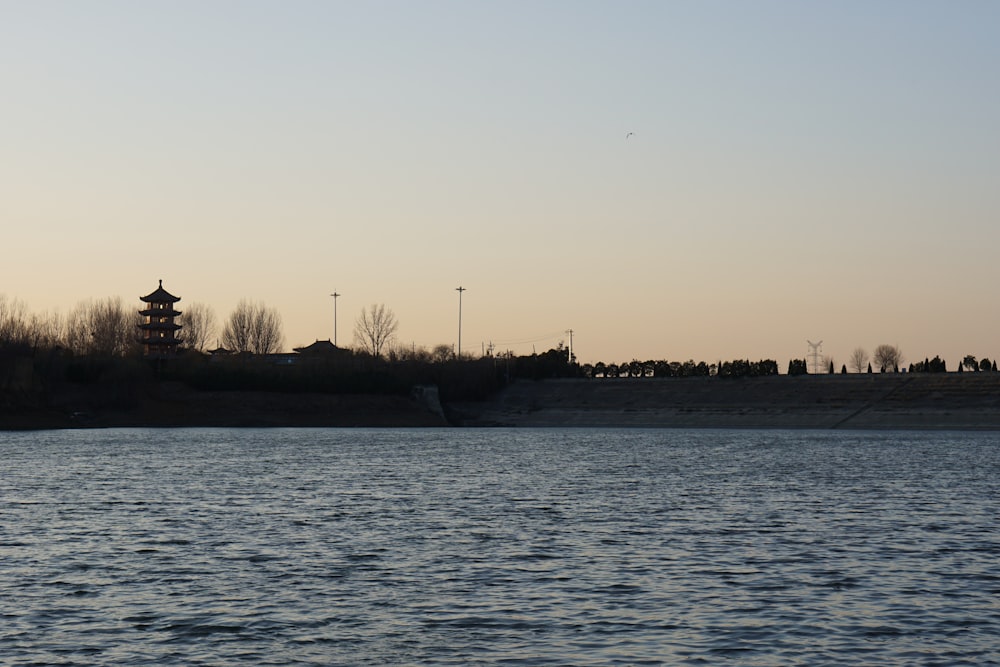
[{"x": 564, "y": 547}]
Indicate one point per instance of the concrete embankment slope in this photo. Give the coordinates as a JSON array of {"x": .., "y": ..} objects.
[{"x": 965, "y": 401}]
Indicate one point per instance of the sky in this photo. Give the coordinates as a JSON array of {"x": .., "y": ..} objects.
[{"x": 669, "y": 180}]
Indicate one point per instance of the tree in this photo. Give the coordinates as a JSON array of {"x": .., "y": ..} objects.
[
  {"x": 46, "y": 331},
  {"x": 935, "y": 365},
  {"x": 442, "y": 352},
  {"x": 375, "y": 328},
  {"x": 267, "y": 337},
  {"x": 199, "y": 325},
  {"x": 887, "y": 357},
  {"x": 970, "y": 363},
  {"x": 985, "y": 365},
  {"x": 236, "y": 333},
  {"x": 253, "y": 327},
  {"x": 858, "y": 359},
  {"x": 103, "y": 328},
  {"x": 797, "y": 367},
  {"x": 13, "y": 321}
]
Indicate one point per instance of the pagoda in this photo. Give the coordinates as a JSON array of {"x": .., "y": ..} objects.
[{"x": 158, "y": 332}]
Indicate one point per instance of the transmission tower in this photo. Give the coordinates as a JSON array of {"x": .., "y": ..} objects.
[{"x": 814, "y": 359}]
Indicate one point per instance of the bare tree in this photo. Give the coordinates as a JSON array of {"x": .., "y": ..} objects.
[
  {"x": 104, "y": 328},
  {"x": 266, "y": 334},
  {"x": 253, "y": 327},
  {"x": 888, "y": 358},
  {"x": 375, "y": 328},
  {"x": 859, "y": 360},
  {"x": 13, "y": 320},
  {"x": 46, "y": 331},
  {"x": 442, "y": 352},
  {"x": 236, "y": 333},
  {"x": 199, "y": 325}
]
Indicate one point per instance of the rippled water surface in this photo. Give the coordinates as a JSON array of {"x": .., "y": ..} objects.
[{"x": 519, "y": 547}]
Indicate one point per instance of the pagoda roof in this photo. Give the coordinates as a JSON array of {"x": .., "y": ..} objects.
[
  {"x": 160, "y": 326},
  {"x": 160, "y": 295},
  {"x": 160, "y": 312}
]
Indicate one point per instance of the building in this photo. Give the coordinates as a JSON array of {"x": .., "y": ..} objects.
[
  {"x": 158, "y": 331},
  {"x": 320, "y": 349}
]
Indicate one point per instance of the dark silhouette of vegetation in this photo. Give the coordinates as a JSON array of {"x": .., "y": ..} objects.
[
  {"x": 888, "y": 358},
  {"x": 797, "y": 367},
  {"x": 375, "y": 329},
  {"x": 90, "y": 361},
  {"x": 198, "y": 322},
  {"x": 935, "y": 365},
  {"x": 858, "y": 359},
  {"x": 666, "y": 369},
  {"x": 253, "y": 327}
]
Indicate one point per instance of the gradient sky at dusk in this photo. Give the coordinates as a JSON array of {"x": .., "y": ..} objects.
[{"x": 798, "y": 170}]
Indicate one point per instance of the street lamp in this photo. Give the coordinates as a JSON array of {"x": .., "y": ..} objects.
[
  {"x": 335, "y": 295},
  {"x": 459, "y": 289}
]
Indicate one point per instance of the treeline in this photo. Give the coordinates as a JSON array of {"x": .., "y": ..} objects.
[
  {"x": 347, "y": 372},
  {"x": 103, "y": 327},
  {"x": 690, "y": 368},
  {"x": 45, "y": 362}
]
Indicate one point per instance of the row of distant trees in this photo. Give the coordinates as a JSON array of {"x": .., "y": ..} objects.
[
  {"x": 889, "y": 358},
  {"x": 690, "y": 368},
  {"x": 103, "y": 327},
  {"x": 108, "y": 328}
]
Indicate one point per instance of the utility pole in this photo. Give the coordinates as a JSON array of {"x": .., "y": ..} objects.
[
  {"x": 459, "y": 289},
  {"x": 335, "y": 295},
  {"x": 570, "y": 332}
]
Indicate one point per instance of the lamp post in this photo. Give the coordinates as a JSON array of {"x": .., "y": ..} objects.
[
  {"x": 335, "y": 295},
  {"x": 459, "y": 289}
]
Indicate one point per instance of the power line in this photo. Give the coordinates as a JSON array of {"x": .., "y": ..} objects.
[{"x": 534, "y": 339}]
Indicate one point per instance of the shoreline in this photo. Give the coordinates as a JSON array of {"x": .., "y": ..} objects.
[
  {"x": 953, "y": 401},
  {"x": 959, "y": 401}
]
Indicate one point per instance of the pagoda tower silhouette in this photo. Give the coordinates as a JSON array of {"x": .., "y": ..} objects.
[{"x": 158, "y": 331}]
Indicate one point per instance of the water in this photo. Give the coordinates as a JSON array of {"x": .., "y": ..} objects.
[{"x": 512, "y": 547}]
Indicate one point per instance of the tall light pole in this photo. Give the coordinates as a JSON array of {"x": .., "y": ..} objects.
[
  {"x": 459, "y": 289},
  {"x": 335, "y": 295}
]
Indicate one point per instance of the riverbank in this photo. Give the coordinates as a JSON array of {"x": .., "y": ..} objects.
[
  {"x": 173, "y": 405},
  {"x": 958, "y": 401},
  {"x": 961, "y": 401}
]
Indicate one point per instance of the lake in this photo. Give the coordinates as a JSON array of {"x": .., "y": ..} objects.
[{"x": 499, "y": 546}]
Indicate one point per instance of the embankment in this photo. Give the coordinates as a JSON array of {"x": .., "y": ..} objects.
[
  {"x": 171, "y": 404},
  {"x": 961, "y": 401}
]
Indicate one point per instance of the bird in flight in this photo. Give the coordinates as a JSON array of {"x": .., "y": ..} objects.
[{"x": 629, "y": 135}]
